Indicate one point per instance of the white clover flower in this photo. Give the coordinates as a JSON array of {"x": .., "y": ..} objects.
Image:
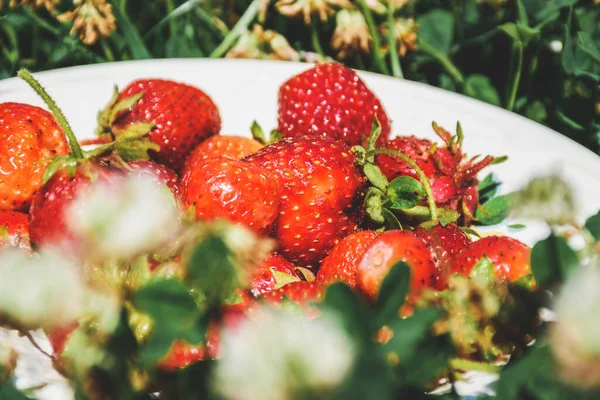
[
  {"x": 575, "y": 338},
  {"x": 548, "y": 198},
  {"x": 39, "y": 291},
  {"x": 351, "y": 33},
  {"x": 276, "y": 354},
  {"x": 122, "y": 218}
]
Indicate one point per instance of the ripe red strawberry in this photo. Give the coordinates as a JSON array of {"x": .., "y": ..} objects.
[
  {"x": 330, "y": 99},
  {"x": 444, "y": 242},
  {"x": 163, "y": 174},
  {"x": 265, "y": 278},
  {"x": 302, "y": 293},
  {"x": 47, "y": 222},
  {"x": 236, "y": 147},
  {"x": 453, "y": 176},
  {"x": 60, "y": 336},
  {"x": 29, "y": 137},
  {"x": 14, "y": 229},
  {"x": 510, "y": 257},
  {"x": 321, "y": 188},
  {"x": 183, "y": 117},
  {"x": 388, "y": 249},
  {"x": 221, "y": 187},
  {"x": 181, "y": 355},
  {"x": 342, "y": 261}
]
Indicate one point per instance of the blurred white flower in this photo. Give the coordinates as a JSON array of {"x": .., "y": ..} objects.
[
  {"x": 276, "y": 354},
  {"x": 120, "y": 219},
  {"x": 39, "y": 291},
  {"x": 547, "y": 198},
  {"x": 575, "y": 338}
]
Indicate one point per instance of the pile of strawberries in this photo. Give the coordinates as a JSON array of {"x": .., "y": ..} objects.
[{"x": 306, "y": 191}]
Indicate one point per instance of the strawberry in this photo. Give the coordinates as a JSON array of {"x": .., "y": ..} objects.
[
  {"x": 29, "y": 137},
  {"x": 47, "y": 222},
  {"x": 272, "y": 273},
  {"x": 330, "y": 99},
  {"x": 236, "y": 147},
  {"x": 221, "y": 187},
  {"x": 444, "y": 242},
  {"x": 59, "y": 337},
  {"x": 452, "y": 175},
  {"x": 302, "y": 293},
  {"x": 321, "y": 188},
  {"x": 342, "y": 261},
  {"x": 388, "y": 249},
  {"x": 14, "y": 229},
  {"x": 164, "y": 175},
  {"x": 181, "y": 355},
  {"x": 181, "y": 117},
  {"x": 511, "y": 258}
]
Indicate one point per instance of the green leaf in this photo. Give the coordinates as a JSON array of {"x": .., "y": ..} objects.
[
  {"x": 493, "y": 211},
  {"x": 447, "y": 216},
  {"x": 375, "y": 133},
  {"x": 593, "y": 225},
  {"x": 391, "y": 221},
  {"x": 410, "y": 331},
  {"x": 212, "y": 271},
  {"x": 586, "y": 43},
  {"x": 518, "y": 32},
  {"x": 135, "y": 130},
  {"x": 536, "y": 111},
  {"x": 392, "y": 294},
  {"x": 175, "y": 313},
  {"x": 131, "y": 150},
  {"x": 430, "y": 361},
  {"x": 374, "y": 205},
  {"x": 351, "y": 309},
  {"x": 131, "y": 35},
  {"x": 123, "y": 105},
  {"x": 437, "y": 29},
  {"x": 484, "y": 272},
  {"x": 481, "y": 87},
  {"x": 375, "y": 176},
  {"x": 405, "y": 192},
  {"x": 487, "y": 188},
  {"x": 517, "y": 226},
  {"x": 258, "y": 133},
  {"x": 552, "y": 261}
]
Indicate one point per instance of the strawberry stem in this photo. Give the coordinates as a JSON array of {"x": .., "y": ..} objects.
[
  {"x": 422, "y": 177},
  {"x": 56, "y": 111}
]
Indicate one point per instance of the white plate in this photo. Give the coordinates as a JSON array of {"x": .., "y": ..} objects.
[{"x": 247, "y": 90}]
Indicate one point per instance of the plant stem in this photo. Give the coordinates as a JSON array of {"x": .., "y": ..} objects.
[
  {"x": 394, "y": 57},
  {"x": 172, "y": 26},
  {"x": 378, "y": 56},
  {"x": 422, "y": 177},
  {"x": 516, "y": 75},
  {"x": 237, "y": 30},
  {"x": 314, "y": 37},
  {"x": 444, "y": 61},
  {"x": 56, "y": 111},
  {"x": 468, "y": 365},
  {"x": 107, "y": 51}
]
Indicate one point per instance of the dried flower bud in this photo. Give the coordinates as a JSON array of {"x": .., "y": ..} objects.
[
  {"x": 306, "y": 8},
  {"x": 47, "y": 4},
  {"x": 261, "y": 44},
  {"x": 406, "y": 35},
  {"x": 351, "y": 33},
  {"x": 91, "y": 19},
  {"x": 547, "y": 198}
]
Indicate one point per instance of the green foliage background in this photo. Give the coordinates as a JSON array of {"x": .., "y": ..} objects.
[{"x": 539, "y": 58}]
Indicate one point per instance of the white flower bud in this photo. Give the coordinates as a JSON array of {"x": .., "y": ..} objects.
[
  {"x": 575, "y": 338},
  {"x": 39, "y": 291},
  {"x": 276, "y": 354},
  {"x": 120, "y": 219}
]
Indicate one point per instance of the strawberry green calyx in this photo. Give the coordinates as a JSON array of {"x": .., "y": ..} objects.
[
  {"x": 26, "y": 75},
  {"x": 131, "y": 142}
]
